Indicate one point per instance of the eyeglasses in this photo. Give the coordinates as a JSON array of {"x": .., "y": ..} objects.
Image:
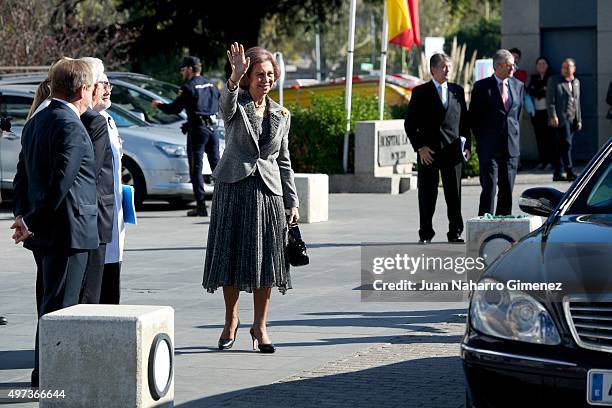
[{"x": 106, "y": 85}]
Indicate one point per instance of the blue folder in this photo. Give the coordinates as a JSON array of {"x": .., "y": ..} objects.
[{"x": 129, "y": 209}]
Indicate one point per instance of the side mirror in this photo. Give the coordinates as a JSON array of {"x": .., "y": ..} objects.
[
  {"x": 540, "y": 201},
  {"x": 139, "y": 114}
]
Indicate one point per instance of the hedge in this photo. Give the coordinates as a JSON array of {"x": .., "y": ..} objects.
[{"x": 316, "y": 138}]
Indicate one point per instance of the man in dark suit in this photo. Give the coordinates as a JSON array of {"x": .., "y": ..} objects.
[
  {"x": 96, "y": 127},
  {"x": 563, "y": 100},
  {"x": 435, "y": 122},
  {"x": 495, "y": 108},
  {"x": 55, "y": 191}
]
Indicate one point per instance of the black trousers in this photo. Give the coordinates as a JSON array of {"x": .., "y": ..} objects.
[
  {"x": 110, "y": 294},
  {"x": 428, "y": 178},
  {"x": 59, "y": 279},
  {"x": 564, "y": 137},
  {"x": 544, "y": 137},
  {"x": 199, "y": 141},
  {"x": 498, "y": 172},
  {"x": 92, "y": 283}
]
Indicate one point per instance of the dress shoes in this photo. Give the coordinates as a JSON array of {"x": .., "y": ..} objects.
[
  {"x": 424, "y": 241},
  {"x": 455, "y": 240},
  {"x": 226, "y": 344},
  {"x": 559, "y": 177},
  {"x": 3, "y": 321},
  {"x": 570, "y": 176},
  {"x": 263, "y": 348},
  {"x": 199, "y": 211}
]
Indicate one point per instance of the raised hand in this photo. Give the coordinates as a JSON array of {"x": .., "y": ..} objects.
[{"x": 238, "y": 62}]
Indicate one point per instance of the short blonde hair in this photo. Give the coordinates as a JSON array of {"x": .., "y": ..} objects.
[
  {"x": 44, "y": 88},
  {"x": 67, "y": 76}
]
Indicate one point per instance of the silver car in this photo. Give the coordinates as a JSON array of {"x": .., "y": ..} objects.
[{"x": 154, "y": 160}]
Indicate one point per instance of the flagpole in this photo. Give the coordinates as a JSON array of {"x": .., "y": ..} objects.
[
  {"x": 383, "y": 63},
  {"x": 349, "y": 83}
]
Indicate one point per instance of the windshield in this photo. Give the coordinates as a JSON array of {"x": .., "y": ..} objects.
[
  {"x": 163, "y": 89},
  {"x": 140, "y": 104},
  {"x": 596, "y": 198}
]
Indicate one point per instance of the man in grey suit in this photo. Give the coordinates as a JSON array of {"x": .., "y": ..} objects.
[
  {"x": 55, "y": 202},
  {"x": 563, "y": 100},
  {"x": 495, "y": 109}
]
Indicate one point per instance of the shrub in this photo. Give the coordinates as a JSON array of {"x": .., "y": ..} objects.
[
  {"x": 316, "y": 137},
  {"x": 471, "y": 168}
]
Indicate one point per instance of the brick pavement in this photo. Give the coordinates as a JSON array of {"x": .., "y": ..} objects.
[{"x": 421, "y": 369}]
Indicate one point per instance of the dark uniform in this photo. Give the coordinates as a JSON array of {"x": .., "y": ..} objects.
[{"x": 200, "y": 99}]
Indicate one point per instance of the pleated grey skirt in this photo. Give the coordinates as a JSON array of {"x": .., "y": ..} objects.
[{"x": 247, "y": 238}]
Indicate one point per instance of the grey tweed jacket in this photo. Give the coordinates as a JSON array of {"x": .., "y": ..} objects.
[{"x": 242, "y": 154}]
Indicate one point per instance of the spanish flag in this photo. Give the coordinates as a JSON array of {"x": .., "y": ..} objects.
[{"x": 403, "y": 17}]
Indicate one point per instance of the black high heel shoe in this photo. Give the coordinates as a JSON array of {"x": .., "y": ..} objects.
[
  {"x": 226, "y": 344},
  {"x": 263, "y": 348}
]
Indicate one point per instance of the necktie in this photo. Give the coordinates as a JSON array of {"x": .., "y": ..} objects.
[
  {"x": 442, "y": 96},
  {"x": 504, "y": 95}
]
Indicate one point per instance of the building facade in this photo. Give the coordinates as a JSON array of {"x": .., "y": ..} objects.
[{"x": 556, "y": 29}]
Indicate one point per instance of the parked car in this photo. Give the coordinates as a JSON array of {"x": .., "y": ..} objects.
[
  {"x": 549, "y": 347},
  {"x": 154, "y": 161},
  {"x": 133, "y": 92}
]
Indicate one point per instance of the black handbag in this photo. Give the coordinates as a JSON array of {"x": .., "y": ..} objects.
[{"x": 296, "y": 248}]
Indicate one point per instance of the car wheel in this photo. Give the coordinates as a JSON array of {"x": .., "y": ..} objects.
[
  {"x": 179, "y": 203},
  {"x": 131, "y": 175}
]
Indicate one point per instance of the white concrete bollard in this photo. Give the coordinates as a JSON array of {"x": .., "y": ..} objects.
[
  {"x": 105, "y": 356},
  {"x": 313, "y": 192},
  {"x": 488, "y": 238}
]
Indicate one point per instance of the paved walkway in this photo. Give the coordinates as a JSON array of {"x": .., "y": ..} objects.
[
  {"x": 422, "y": 369},
  {"x": 327, "y": 339}
]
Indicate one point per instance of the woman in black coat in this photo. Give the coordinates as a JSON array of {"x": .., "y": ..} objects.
[{"x": 537, "y": 90}]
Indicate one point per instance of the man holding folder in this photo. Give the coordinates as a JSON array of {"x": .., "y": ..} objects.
[{"x": 438, "y": 128}]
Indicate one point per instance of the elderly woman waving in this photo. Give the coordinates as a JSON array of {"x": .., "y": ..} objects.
[{"x": 254, "y": 196}]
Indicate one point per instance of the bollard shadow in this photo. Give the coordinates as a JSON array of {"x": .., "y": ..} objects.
[
  {"x": 399, "y": 384},
  {"x": 16, "y": 359}
]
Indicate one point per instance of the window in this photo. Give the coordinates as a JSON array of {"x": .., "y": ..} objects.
[
  {"x": 596, "y": 198},
  {"x": 16, "y": 108},
  {"x": 139, "y": 103},
  {"x": 163, "y": 89},
  {"x": 123, "y": 119}
]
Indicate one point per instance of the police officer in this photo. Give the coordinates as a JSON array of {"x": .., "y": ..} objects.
[{"x": 200, "y": 99}]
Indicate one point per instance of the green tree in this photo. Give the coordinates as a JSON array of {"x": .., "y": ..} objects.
[
  {"x": 171, "y": 29},
  {"x": 483, "y": 36}
]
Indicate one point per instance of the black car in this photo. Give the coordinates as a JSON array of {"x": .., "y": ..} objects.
[{"x": 539, "y": 334}]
